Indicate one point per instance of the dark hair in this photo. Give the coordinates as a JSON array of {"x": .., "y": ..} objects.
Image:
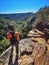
[
  {"x": 11, "y": 26},
  {"x": 11, "y": 29}
]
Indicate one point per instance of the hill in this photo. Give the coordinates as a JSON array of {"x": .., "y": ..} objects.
[
  {"x": 41, "y": 18},
  {"x": 17, "y": 16}
]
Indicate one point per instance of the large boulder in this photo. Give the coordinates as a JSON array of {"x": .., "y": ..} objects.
[
  {"x": 31, "y": 53},
  {"x": 26, "y": 46},
  {"x": 38, "y": 56}
]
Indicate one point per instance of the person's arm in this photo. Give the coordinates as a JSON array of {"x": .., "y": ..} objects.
[
  {"x": 17, "y": 35},
  {"x": 9, "y": 36}
]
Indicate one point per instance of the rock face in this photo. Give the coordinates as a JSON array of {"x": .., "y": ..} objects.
[
  {"x": 26, "y": 46},
  {"x": 38, "y": 53},
  {"x": 43, "y": 60},
  {"x": 32, "y": 51},
  {"x": 35, "y": 33}
]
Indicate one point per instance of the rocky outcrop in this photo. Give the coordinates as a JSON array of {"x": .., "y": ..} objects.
[
  {"x": 38, "y": 50},
  {"x": 42, "y": 60},
  {"x": 32, "y": 51},
  {"x": 26, "y": 46},
  {"x": 35, "y": 33}
]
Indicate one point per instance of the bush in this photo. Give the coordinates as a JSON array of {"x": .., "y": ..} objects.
[{"x": 4, "y": 44}]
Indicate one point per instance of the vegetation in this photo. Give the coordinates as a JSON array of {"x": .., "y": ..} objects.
[
  {"x": 21, "y": 26},
  {"x": 42, "y": 18}
]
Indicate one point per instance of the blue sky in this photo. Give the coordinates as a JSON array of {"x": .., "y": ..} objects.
[{"x": 20, "y": 6}]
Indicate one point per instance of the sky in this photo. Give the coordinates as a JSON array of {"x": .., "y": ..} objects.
[{"x": 22, "y": 6}]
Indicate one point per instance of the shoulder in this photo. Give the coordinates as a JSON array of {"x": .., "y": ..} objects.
[
  {"x": 16, "y": 33},
  {"x": 7, "y": 33}
]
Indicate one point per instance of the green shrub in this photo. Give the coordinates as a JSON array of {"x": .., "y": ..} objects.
[{"x": 4, "y": 44}]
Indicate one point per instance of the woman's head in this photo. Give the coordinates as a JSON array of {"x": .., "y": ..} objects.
[{"x": 11, "y": 28}]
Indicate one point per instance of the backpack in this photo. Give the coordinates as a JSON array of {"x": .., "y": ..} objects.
[{"x": 14, "y": 39}]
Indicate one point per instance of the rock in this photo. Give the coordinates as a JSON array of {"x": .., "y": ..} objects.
[
  {"x": 25, "y": 46},
  {"x": 35, "y": 33},
  {"x": 26, "y": 60},
  {"x": 43, "y": 60},
  {"x": 28, "y": 50},
  {"x": 39, "y": 49},
  {"x": 41, "y": 54},
  {"x": 47, "y": 46},
  {"x": 48, "y": 41},
  {"x": 22, "y": 50},
  {"x": 1, "y": 61},
  {"x": 41, "y": 40}
]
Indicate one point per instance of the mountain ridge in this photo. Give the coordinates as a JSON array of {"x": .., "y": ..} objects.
[{"x": 18, "y": 16}]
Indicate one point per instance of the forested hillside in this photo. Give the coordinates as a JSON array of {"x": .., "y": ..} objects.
[
  {"x": 41, "y": 18},
  {"x": 17, "y": 16}
]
